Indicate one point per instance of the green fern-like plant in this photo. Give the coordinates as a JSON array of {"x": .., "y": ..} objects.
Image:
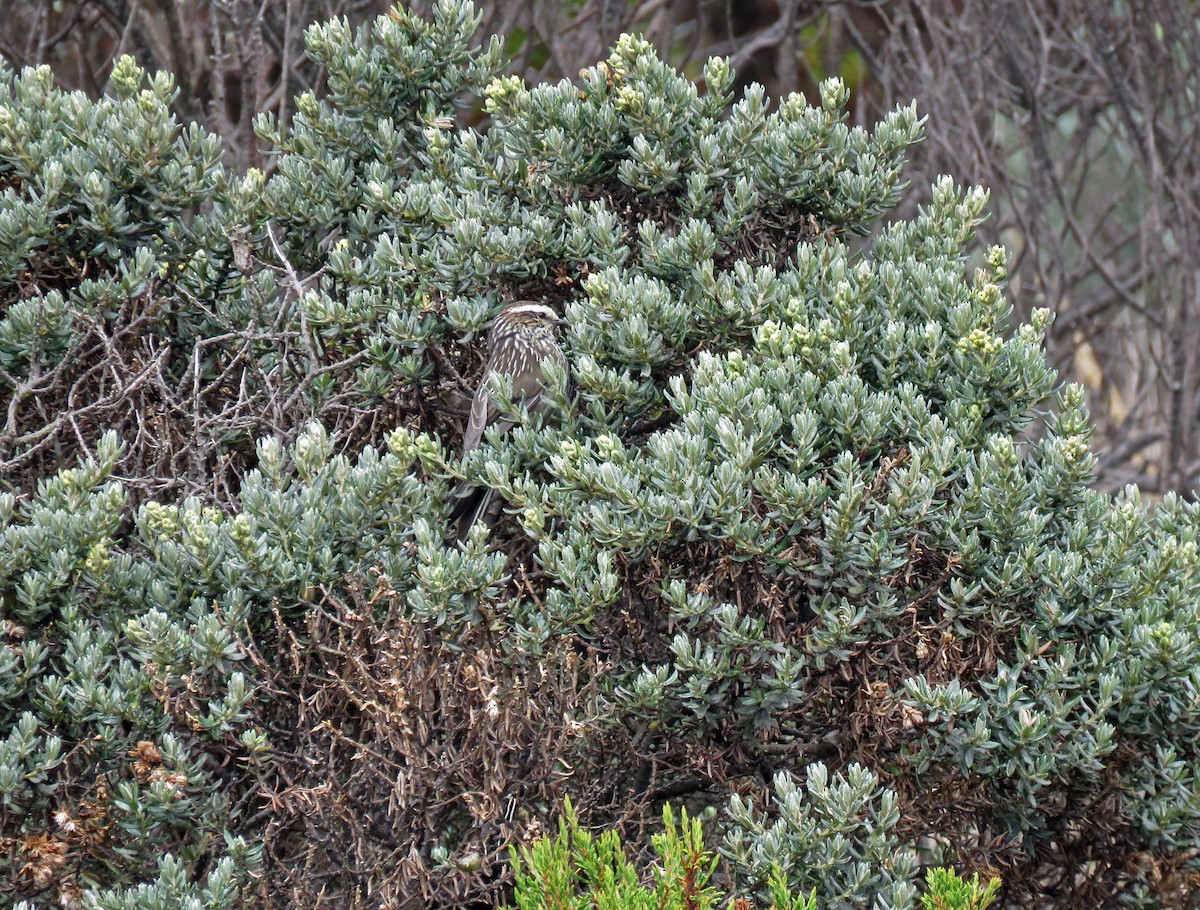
[
  {"x": 946, "y": 890},
  {"x": 576, "y": 870}
]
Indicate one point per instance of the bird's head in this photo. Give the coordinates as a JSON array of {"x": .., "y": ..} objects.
[{"x": 527, "y": 314}]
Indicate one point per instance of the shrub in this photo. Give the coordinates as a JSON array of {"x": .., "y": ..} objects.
[
  {"x": 811, "y": 514},
  {"x": 947, "y": 891},
  {"x": 574, "y": 869}
]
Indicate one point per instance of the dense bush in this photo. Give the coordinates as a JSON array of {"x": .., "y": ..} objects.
[
  {"x": 810, "y": 547},
  {"x": 576, "y": 869}
]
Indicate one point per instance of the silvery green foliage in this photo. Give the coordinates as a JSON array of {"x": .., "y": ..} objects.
[
  {"x": 69, "y": 156},
  {"x": 548, "y": 192},
  {"x": 143, "y": 617},
  {"x": 849, "y": 422},
  {"x": 109, "y": 180},
  {"x": 795, "y": 461},
  {"x": 830, "y": 836},
  {"x": 98, "y": 639},
  {"x": 173, "y": 887}
]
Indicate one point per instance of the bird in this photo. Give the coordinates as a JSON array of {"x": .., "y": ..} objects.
[{"x": 522, "y": 337}]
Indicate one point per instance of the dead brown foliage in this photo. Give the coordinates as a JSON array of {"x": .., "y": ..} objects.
[
  {"x": 187, "y": 410},
  {"x": 407, "y": 759}
]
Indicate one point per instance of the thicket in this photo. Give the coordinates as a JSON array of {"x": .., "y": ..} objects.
[{"x": 811, "y": 546}]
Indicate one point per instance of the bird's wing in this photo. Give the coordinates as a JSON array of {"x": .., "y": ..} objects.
[
  {"x": 482, "y": 411},
  {"x": 527, "y": 386}
]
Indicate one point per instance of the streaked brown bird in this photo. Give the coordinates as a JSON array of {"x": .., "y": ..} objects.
[{"x": 522, "y": 336}]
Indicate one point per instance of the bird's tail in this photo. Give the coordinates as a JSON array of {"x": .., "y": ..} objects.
[{"x": 474, "y": 504}]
